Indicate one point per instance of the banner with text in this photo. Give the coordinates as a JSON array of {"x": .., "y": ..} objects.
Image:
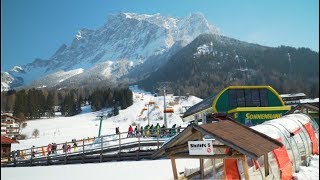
[{"x": 200, "y": 148}]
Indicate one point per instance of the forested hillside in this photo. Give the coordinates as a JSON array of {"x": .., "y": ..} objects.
[
  {"x": 37, "y": 103},
  {"x": 212, "y": 62}
]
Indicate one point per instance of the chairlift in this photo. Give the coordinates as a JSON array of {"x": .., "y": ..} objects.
[
  {"x": 168, "y": 110},
  {"x": 151, "y": 102}
]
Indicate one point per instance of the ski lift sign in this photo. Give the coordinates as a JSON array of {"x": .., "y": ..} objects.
[{"x": 200, "y": 148}]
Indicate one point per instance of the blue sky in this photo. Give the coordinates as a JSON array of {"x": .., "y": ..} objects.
[{"x": 37, "y": 28}]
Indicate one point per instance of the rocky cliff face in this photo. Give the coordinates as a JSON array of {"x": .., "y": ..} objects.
[{"x": 125, "y": 36}]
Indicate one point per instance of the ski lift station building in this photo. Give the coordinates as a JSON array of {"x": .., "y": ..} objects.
[
  {"x": 274, "y": 149},
  {"x": 249, "y": 105}
]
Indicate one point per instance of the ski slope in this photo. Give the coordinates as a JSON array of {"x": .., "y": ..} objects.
[{"x": 61, "y": 129}]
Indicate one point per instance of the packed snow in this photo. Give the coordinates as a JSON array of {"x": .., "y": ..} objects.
[{"x": 61, "y": 129}]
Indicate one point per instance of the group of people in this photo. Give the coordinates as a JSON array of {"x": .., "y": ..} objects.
[
  {"x": 151, "y": 131},
  {"x": 52, "y": 148}
]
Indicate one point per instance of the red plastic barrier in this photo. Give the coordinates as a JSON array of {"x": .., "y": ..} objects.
[
  {"x": 284, "y": 162},
  {"x": 312, "y": 136},
  {"x": 231, "y": 168}
]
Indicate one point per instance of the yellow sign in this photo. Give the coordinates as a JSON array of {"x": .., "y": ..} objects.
[
  {"x": 263, "y": 116},
  {"x": 235, "y": 115}
]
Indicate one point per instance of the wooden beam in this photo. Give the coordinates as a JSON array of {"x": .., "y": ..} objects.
[
  {"x": 174, "y": 168},
  {"x": 201, "y": 168},
  {"x": 219, "y": 146},
  {"x": 245, "y": 167},
  {"x": 214, "y": 168},
  {"x": 216, "y": 156},
  {"x": 176, "y": 149},
  {"x": 193, "y": 174},
  {"x": 266, "y": 165},
  {"x": 184, "y": 136}
]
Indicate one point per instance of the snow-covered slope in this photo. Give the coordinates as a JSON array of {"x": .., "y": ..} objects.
[
  {"x": 8, "y": 81},
  {"x": 125, "y": 36},
  {"x": 86, "y": 124},
  {"x": 55, "y": 78},
  {"x": 60, "y": 129}
]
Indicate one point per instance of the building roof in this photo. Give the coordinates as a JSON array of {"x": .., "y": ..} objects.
[
  {"x": 7, "y": 115},
  {"x": 315, "y": 100},
  {"x": 6, "y": 140},
  {"x": 232, "y": 134},
  {"x": 293, "y": 95},
  {"x": 203, "y": 105}
]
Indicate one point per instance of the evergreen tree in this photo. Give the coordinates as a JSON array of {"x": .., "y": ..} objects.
[
  {"x": 20, "y": 103},
  {"x": 79, "y": 102},
  {"x": 50, "y": 105},
  {"x": 115, "y": 109}
]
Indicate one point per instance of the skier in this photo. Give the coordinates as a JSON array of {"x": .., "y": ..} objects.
[
  {"x": 179, "y": 128},
  {"x": 173, "y": 130},
  {"x": 163, "y": 131},
  {"x": 117, "y": 130},
  {"x": 151, "y": 129},
  {"x": 54, "y": 148},
  {"x": 75, "y": 146},
  {"x": 157, "y": 129},
  {"x": 130, "y": 131},
  {"x": 136, "y": 131},
  {"x": 141, "y": 131},
  {"x": 33, "y": 152},
  {"x": 68, "y": 148},
  {"x": 49, "y": 148},
  {"x": 147, "y": 130}
]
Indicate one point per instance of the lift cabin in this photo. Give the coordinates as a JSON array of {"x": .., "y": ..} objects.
[{"x": 249, "y": 105}]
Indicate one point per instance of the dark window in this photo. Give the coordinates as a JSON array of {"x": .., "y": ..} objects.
[
  {"x": 264, "y": 97},
  {"x": 255, "y": 97},
  {"x": 248, "y": 97},
  {"x": 232, "y": 98},
  {"x": 240, "y": 98}
]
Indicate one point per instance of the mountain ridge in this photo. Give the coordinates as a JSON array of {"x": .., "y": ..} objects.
[{"x": 125, "y": 36}]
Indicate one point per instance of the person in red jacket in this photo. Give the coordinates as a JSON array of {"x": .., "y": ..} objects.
[
  {"x": 130, "y": 131},
  {"x": 49, "y": 148}
]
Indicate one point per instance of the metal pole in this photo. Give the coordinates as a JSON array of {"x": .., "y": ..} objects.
[
  {"x": 148, "y": 115},
  {"x": 164, "y": 107},
  {"x": 101, "y": 139},
  {"x": 101, "y": 117}
]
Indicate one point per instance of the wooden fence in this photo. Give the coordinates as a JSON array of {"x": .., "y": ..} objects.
[{"x": 114, "y": 147}]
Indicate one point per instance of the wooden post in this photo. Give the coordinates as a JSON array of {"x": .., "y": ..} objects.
[
  {"x": 83, "y": 151},
  {"x": 139, "y": 142},
  {"x": 266, "y": 165},
  {"x": 23, "y": 156},
  {"x": 214, "y": 168},
  {"x": 65, "y": 153},
  {"x": 201, "y": 169},
  {"x": 14, "y": 158},
  {"x": 43, "y": 151},
  {"x": 158, "y": 141},
  {"x": 174, "y": 168},
  {"x": 138, "y": 147},
  {"x": 245, "y": 167},
  {"x": 31, "y": 156},
  {"x": 48, "y": 159},
  {"x": 119, "y": 146},
  {"x": 101, "y": 139}
]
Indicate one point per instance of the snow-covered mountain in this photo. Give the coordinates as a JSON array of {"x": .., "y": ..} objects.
[
  {"x": 8, "y": 81},
  {"x": 125, "y": 36}
]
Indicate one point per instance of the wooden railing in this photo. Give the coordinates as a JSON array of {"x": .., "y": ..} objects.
[{"x": 97, "y": 149}]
